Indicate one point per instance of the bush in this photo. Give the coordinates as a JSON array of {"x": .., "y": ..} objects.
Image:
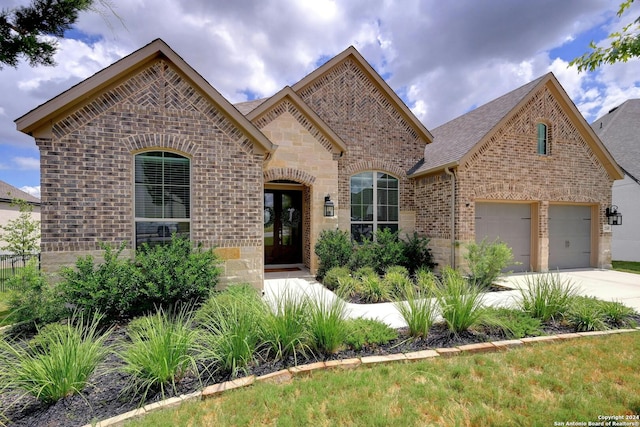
[
  {"x": 460, "y": 302},
  {"x": 58, "y": 364},
  {"x": 397, "y": 280},
  {"x": 587, "y": 314},
  {"x": 617, "y": 314},
  {"x": 426, "y": 281},
  {"x": 486, "y": 261},
  {"x": 388, "y": 250},
  {"x": 362, "y": 332},
  {"x": 332, "y": 277},
  {"x": 547, "y": 296},
  {"x": 363, "y": 255},
  {"x": 419, "y": 311},
  {"x": 514, "y": 324},
  {"x": 373, "y": 289},
  {"x": 416, "y": 253},
  {"x": 333, "y": 249},
  {"x": 32, "y": 299}
]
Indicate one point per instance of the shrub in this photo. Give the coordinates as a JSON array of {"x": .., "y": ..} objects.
[
  {"x": 397, "y": 280},
  {"x": 161, "y": 352},
  {"x": 327, "y": 319},
  {"x": 348, "y": 287},
  {"x": 617, "y": 314},
  {"x": 373, "y": 289},
  {"x": 362, "y": 332},
  {"x": 333, "y": 276},
  {"x": 284, "y": 329},
  {"x": 586, "y": 314},
  {"x": 334, "y": 249},
  {"x": 365, "y": 272},
  {"x": 486, "y": 261},
  {"x": 388, "y": 250},
  {"x": 514, "y": 324},
  {"x": 460, "y": 302},
  {"x": 426, "y": 281},
  {"x": 59, "y": 364},
  {"x": 32, "y": 299},
  {"x": 416, "y": 253},
  {"x": 178, "y": 272},
  {"x": 363, "y": 255},
  {"x": 419, "y": 311},
  {"x": 546, "y": 296}
]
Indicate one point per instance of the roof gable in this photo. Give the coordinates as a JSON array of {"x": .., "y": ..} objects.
[
  {"x": 38, "y": 122},
  {"x": 315, "y": 78},
  {"x": 8, "y": 192},
  {"x": 619, "y": 130}
]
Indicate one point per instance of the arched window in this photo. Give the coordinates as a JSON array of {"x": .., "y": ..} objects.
[
  {"x": 374, "y": 204},
  {"x": 162, "y": 196},
  {"x": 543, "y": 139}
]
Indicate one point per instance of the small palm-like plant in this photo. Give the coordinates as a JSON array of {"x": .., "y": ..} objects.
[
  {"x": 59, "y": 365},
  {"x": 460, "y": 302},
  {"x": 547, "y": 296},
  {"x": 419, "y": 311},
  {"x": 161, "y": 351}
]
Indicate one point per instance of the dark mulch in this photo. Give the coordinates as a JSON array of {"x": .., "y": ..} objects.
[{"x": 102, "y": 399}]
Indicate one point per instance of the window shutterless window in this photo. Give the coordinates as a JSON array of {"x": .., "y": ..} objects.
[
  {"x": 162, "y": 196},
  {"x": 374, "y": 204},
  {"x": 543, "y": 139}
]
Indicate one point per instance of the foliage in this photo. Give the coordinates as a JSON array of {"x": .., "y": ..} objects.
[
  {"x": 326, "y": 323},
  {"x": 333, "y": 276},
  {"x": 418, "y": 310},
  {"x": 416, "y": 253},
  {"x": 161, "y": 352},
  {"x": 388, "y": 250},
  {"x": 486, "y": 261},
  {"x": 397, "y": 280},
  {"x": 363, "y": 255},
  {"x": 426, "y": 281},
  {"x": 617, "y": 314},
  {"x": 624, "y": 46},
  {"x": 373, "y": 289},
  {"x": 32, "y": 298},
  {"x": 348, "y": 286},
  {"x": 514, "y": 324},
  {"x": 586, "y": 314},
  {"x": 362, "y": 332},
  {"x": 59, "y": 364},
  {"x": 178, "y": 272},
  {"x": 284, "y": 329},
  {"x": 333, "y": 249},
  {"x": 546, "y": 296},
  {"x": 626, "y": 266},
  {"x": 21, "y": 234},
  {"x": 460, "y": 302}
]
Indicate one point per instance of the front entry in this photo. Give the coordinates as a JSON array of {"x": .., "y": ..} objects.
[{"x": 282, "y": 227}]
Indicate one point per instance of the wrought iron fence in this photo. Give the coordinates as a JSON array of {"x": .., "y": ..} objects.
[{"x": 11, "y": 264}]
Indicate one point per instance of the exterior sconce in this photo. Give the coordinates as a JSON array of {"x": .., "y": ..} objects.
[
  {"x": 328, "y": 206},
  {"x": 613, "y": 216}
]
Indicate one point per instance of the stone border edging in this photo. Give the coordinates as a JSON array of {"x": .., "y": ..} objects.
[{"x": 286, "y": 375}]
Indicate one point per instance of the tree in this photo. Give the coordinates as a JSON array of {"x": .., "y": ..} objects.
[
  {"x": 21, "y": 234},
  {"x": 624, "y": 46},
  {"x": 32, "y": 31}
]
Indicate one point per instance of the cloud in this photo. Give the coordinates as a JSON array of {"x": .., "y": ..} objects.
[
  {"x": 34, "y": 191},
  {"x": 27, "y": 163}
]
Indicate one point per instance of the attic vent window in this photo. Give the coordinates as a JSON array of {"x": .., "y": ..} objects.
[{"x": 543, "y": 139}]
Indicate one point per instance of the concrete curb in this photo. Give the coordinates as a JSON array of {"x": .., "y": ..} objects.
[{"x": 287, "y": 375}]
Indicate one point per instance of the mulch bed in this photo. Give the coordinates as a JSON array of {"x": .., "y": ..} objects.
[{"x": 102, "y": 399}]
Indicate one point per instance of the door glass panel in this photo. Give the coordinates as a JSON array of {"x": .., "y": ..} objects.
[{"x": 282, "y": 227}]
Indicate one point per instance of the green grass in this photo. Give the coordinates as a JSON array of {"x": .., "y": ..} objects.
[
  {"x": 4, "y": 309},
  {"x": 576, "y": 380},
  {"x": 626, "y": 266}
]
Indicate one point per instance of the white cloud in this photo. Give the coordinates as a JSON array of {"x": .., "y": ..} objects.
[
  {"x": 26, "y": 163},
  {"x": 34, "y": 191}
]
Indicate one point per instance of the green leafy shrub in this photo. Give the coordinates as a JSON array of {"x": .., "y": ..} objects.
[
  {"x": 161, "y": 351},
  {"x": 388, "y": 250},
  {"x": 547, "y": 296},
  {"x": 486, "y": 261},
  {"x": 362, "y": 332},
  {"x": 364, "y": 254},
  {"x": 32, "y": 299},
  {"x": 59, "y": 364},
  {"x": 418, "y": 310},
  {"x": 334, "y": 249},
  {"x": 460, "y": 302},
  {"x": 333, "y": 276},
  {"x": 416, "y": 253},
  {"x": 514, "y": 324},
  {"x": 326, "y": 323}
]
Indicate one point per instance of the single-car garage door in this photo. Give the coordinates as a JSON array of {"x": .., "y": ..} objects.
[
  {"x": 510, "y": 223},
  {"x": 569, "y": 236}
]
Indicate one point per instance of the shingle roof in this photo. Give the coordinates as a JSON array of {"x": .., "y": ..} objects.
[
  {"x": 454, "y": 139},
  {"x": 619, "y": 130},
  {"x": 248, "y": 106},
  {"x": 9, "y": 192}
]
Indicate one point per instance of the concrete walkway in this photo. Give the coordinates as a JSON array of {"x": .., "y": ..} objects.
[{"x": 607, "y": 285}]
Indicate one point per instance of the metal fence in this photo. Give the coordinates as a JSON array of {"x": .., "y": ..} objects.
[{"x": 11, "y": 264}]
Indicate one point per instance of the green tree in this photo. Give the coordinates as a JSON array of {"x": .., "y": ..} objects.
[
  {"x": 21, "y": 235},
  {"x": 32, "y": 31},
  {"x": 624, "y": 46}
]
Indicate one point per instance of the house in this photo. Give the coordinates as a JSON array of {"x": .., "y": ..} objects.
[
  {"x": 147, "y": 147},
  {"x": 8, "y": 212},
  {"x": 619, "y": 130}
]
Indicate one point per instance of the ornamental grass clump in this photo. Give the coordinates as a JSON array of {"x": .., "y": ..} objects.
[
  {"x": 284, "y": 329},
  {"x": 161, "y": 352},
  {"x": 61, "y": 362},
  {"x": 326, "y": 323},
  {"x": 547, "y": 296},
  {"x": 397, "y": 280},
  {"x": 460, "y": 302},
  {"x": 587, "y": 314},
  {"x": 419, "y": 310}
]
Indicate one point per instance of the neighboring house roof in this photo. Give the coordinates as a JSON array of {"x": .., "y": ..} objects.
[
  {"x": 8, "y": 192},
  {"x": 619, "y": 130},
  {"x": 288, "y": 93},
  {"x": 395, "y": 100},
  {"x": 38, "y": 122},
  {"x": 456, "y": 140},
  {"x": 248, "y": 106}
]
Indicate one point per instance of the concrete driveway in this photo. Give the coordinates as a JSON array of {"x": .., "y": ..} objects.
[{"x": 607, "y": 285}]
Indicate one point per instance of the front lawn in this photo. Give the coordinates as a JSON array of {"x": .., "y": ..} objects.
[
  {"x": 577, "y": 380},
  {"x": 626, "y": 266}
]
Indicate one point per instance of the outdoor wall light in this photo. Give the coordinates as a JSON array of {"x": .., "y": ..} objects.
[
  {"x": 328, "y": 206},
  {"x": 613, "y": 216}
]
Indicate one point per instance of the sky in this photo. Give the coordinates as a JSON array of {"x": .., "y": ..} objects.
[{"x": 444, "y": 58}]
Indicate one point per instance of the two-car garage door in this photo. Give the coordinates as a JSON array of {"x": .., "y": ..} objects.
[{"x": 569, "y": 233}]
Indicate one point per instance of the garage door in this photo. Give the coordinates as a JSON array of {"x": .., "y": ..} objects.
[
  {"x": 511, "y": 223},
  {"x": 569, "y": 236}
]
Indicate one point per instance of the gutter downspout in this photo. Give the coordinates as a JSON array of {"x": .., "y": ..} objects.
[{"x": 452, "y": 174}]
